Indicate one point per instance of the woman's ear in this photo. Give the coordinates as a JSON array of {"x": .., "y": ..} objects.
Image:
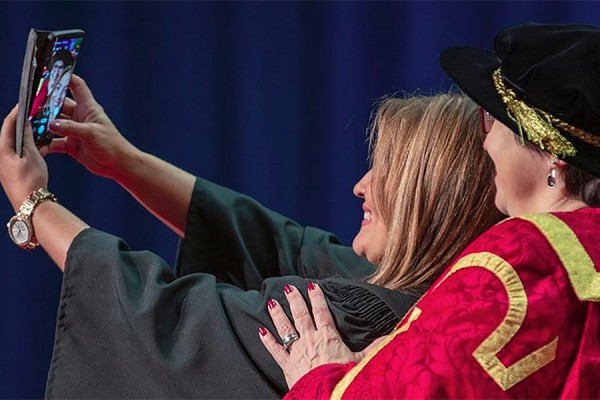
[
  {"x": 558, "y": 163},
  {"x": 560, "y": 166}
]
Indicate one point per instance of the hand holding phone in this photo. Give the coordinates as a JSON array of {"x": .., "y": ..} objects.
[{"x": 49, "y": 64}]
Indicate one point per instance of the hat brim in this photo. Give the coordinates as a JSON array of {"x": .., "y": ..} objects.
[{"x": 471, "y": 70}]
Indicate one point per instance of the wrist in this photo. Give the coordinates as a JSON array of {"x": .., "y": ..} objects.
[
  {"x": 55, "y": 229},
  {"x": 20, "y": 227},
  {"x": 127, "y": 162},
  {"x": 130, "y": 163},
  {"x": 19, "y": 195}
]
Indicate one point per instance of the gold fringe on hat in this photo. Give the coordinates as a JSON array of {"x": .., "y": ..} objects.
[{"x": 537, "y": 124}]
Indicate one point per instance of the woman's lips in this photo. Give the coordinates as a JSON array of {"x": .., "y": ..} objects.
[{"x": 366, "y": 216}]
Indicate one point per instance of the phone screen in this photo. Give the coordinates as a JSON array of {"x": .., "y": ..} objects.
[{"x": 51, "y": 90}]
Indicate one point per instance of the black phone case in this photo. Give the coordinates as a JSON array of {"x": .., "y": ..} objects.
[{"x": 37, "y": 52}]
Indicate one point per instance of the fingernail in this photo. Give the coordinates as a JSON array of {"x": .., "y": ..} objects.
[
  {"x": 271, "y": 304},
  {"x": 262, "y": 331},
  {"x": 54, "y": 124},
  {"x": 311, "y": 286},
  {"x": 288, "y": 288}
]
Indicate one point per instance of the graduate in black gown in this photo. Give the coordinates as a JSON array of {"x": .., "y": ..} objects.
[{"x": 129, "y": 326}]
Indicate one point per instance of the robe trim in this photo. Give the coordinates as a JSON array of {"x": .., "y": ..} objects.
[{"x": 579, "y": 266}]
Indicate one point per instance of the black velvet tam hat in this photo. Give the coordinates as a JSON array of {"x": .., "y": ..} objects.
[{"x": 543, "y": 82}]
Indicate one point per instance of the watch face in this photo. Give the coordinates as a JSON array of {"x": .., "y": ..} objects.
[{"x": 20, "y": 232}]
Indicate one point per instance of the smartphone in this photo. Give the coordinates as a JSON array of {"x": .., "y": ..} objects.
[{"x": 52, "y": 72}]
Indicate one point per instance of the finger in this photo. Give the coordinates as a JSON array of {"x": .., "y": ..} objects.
[
  {"x": 58, "y": 145},
  {"x": 66, "y": 127},
  {"x": 277, "y": 351},
  {"x": 361, "y": 354},
  {"x": 68, "y": 106},
  {"x": 320, "y": 309},
  {"x": 80, "y": 90},
  {"x": 43, "y": 151},
  {"x": 65, "y": 145},
  {"x": 302, "y": 318},
  {"x": 280, "y": 319},
  {"x": 7, "y": 133}
]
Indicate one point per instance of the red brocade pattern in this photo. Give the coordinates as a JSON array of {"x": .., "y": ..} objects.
[{"x": 517, "y": 315}]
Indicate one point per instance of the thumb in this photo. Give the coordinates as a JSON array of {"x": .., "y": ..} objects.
[
  {"x": 359, "y": 355},
  {"x": 28, "y": 142},
  {"x": 7, "y": 134}
]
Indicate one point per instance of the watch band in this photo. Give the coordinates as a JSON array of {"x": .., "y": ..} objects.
[
  {"x": 25, "y": 215},
  {"x": 36, "y": 198}
]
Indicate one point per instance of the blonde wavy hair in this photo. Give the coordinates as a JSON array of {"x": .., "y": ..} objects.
[{"x": 432, "y": 184}]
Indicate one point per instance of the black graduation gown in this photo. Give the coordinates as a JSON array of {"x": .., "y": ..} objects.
[{"x": 130, "y": 327}]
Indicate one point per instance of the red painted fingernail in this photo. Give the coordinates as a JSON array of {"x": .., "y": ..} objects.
[
  {"x": 271, "y": 304},
  {"x": 262, "y": 331},
  {"x": 288, "y": 288},
  {"x": 311, "y": 286}
]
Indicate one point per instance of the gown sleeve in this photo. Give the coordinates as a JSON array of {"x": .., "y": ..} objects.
[
  {"x": 320, "y": 383},
  {"x": 233, "y": 237},
  {"x": 129, "y": 327}
]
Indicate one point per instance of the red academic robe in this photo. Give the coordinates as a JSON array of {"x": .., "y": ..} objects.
[
  {"x": 40, "y": 98},
  {"x": 517, "y": 315}
]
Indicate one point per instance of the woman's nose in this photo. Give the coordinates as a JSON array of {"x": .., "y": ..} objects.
[{"x": 360, "y": 187}]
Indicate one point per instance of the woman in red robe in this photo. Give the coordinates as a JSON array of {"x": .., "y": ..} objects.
[{"x": 517, "y": 314}]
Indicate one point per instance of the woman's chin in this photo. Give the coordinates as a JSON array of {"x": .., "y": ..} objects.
[{"x": 359, "y": 247}]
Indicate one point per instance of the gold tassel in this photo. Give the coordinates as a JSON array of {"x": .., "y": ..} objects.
[{"x": 536, "y": 124}]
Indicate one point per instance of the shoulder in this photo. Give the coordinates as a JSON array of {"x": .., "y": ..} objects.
[
  {"x": 511, "y": 242},
  {"x": 573, "y": 228},
  {"x": 562, "y": 245}
]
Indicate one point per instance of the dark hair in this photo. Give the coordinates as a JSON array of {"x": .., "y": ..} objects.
[
  {"x": 64, "y": 55},
  {"x": 583, "y": 185},
  {"x": 578, "y": 182}
]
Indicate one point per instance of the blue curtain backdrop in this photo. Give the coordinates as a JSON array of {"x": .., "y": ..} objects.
[{"x": 271, "y": 99}]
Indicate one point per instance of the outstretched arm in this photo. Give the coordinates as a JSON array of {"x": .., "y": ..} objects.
[
  {"x": 55, "y": 226},
  {"x": 91, "y": 138}
]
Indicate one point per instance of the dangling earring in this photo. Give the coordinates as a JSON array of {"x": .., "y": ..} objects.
[{"x": 551, "y": 180}]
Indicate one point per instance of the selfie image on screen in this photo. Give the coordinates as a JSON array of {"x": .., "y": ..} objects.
[{"x": 53, "y": 85}]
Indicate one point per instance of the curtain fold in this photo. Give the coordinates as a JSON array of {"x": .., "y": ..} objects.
[{"x": 268, "y": 98}]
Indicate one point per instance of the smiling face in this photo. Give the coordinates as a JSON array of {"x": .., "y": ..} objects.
[
  {"x": 521, "y": 173},
  {"x": 371, "y": 240},
  {"x": 429, "y": 191},
  {"x": 58, "y": 94}
]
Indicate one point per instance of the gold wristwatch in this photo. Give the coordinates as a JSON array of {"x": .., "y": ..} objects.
[{"x": 20, "y": 228}]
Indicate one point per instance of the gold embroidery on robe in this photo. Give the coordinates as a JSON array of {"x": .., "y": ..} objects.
[
  {"x": 343, "y": 384},
  {"x": 580, "y": 268},
  {"x": 485, "y": 353}
]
